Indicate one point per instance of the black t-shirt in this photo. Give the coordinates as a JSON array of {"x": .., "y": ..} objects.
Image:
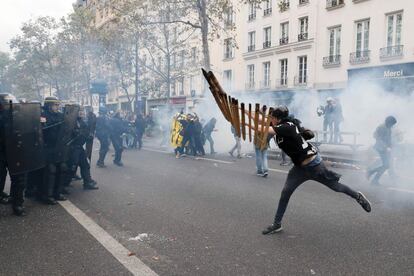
[{"x": 289, "y": 139}]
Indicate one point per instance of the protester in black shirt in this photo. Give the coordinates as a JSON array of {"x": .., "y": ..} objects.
[{"x": 308, "y": 164}]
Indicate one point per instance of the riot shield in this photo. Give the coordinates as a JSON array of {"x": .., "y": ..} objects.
[
  {"x": 65, "y": 137},
  {"x": 92, "y": 128},
  {"x": 23, "y": 137}
]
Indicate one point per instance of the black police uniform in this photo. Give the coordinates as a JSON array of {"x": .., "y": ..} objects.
[
  {"x": 4, "y": 198},
  {"x": 140, "y": 129},
  {"x": 55, "y": 172},
  {"x": 117, "y": 128},
  {"x": 102, "y": 133},
  {"x": 78, "y": 156},
  {"x": 17, "y": 182}
]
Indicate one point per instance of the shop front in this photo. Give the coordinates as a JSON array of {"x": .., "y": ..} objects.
[{"x": 397, "y": 78}]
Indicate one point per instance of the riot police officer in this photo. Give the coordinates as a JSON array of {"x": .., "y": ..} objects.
[
  {"x": 102, "y": 133},
  {"x": 55, "y": 169},
  {"x": 117, "y": 128},
  {"x": 78, "y": 156},
  {"x": 10, "y": 133}
]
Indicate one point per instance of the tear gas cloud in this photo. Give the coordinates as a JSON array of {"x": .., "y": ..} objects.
[{"x": 365, "y": 106}]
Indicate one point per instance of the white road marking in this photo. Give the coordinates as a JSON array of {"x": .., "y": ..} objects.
[
  {"x": 280, "y": 171},
  {"x": 132, "y": 263},
  {"x": 154, "y": 150},
  {"x": 196, "y": 158},
  {"x": 401, "y": 190},
  {"x": 213, "y": 160}
]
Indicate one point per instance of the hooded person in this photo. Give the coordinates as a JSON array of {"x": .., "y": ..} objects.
[
  {"x": 208, "y": 131},
  {"x": 292, "y": 138},
  {"x": 383, "y": 146}
]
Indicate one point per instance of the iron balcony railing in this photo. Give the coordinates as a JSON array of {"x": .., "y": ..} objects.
[
  {"x": 392, "y": 51},
  {"x": 332, "y": 60},
  {"x": 267, "y": 12},
  {"x": 334, "y": 3},
  {"x": 250, "y": 85},
  {"x": 359, "y": 57},
  {"x": 284, "y": 40},
  {"x": 251, "y": 48},
  {"x": 301, "y": 80},
  {"x": 302, "y": 36},
  {"x": 252, "y": 16},
  {"x": 228, "y": 55},
  {"x": 267, "y": 44},
  {"x": 266, "y": 84},
  {"x": 281, "y": 82}
]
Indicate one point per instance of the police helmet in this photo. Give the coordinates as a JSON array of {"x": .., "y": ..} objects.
[
  {"x": 281, "y": 112},
  {"x": 51, "y": 100}
]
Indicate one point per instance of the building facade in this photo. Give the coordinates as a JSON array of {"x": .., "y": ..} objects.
[{"x": 283, "y": 47}]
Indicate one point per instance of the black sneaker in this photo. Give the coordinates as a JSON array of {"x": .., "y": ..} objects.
[
  {"x": 19, "y": 211},
  {"x": 274, "y": 228},
  {"x": 60, "y": 197},
  {"x": 363, "y": 201},
  {"x": 119, "y": 163},
  {"x": 265, "y": 174}
]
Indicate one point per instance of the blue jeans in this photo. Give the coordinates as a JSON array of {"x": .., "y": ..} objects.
[{"x": 261, "y": 160}]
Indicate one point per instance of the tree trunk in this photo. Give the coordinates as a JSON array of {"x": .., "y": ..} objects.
[
  {"x": 137, "y": 96},
  {"x": 202, "y": 13}
]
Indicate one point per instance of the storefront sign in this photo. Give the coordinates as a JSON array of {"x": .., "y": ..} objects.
[{"x": 402, "y": 70}]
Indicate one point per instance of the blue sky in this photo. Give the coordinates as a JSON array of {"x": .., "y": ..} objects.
[{"x": 14, "y": 12}]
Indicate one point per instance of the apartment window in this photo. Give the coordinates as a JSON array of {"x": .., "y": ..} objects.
[
  {"x": 175, "y": 33},
  {"x": 182, "y": 58},
  {"x": 194, "y": 55},
  {"x": 173, "y": 89},
  {"x": 284, "y": 33},
  {"x": 303, "y": 70},
  {"x": 251, "y": 41},
  {"x": 228, "y": 48},
  {"x": 362, "y": 36},
  {"x": 229, "y": 17},
  {"x": 159, "y": 63},
  {"x": 192, "y": 88},
  {"x": 394, "y": 28},
  {"x": 394, "y": 25},
  {"x": 228, "y": 77},
  {"x": 330, "y": 4},
  {"x": 334, "y": 57},
  {"x": 283, "y": 72},
  {"x": 266, "y": 74},
  {"x": 252, "y": 11},
  {"x": 303, "y": 28},
  {"x": 267, "y": 7},
  {"x": 250, "y": 76},
  {"x": 174, "y": 61},
  {"x": 267, "y": 37},
  {"x": 181, "y": 86}
]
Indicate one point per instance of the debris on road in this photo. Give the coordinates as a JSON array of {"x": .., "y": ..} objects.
[{"x": 140, "y": 237}]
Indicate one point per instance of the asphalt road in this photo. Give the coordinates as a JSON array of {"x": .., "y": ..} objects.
[{"x": 205, "y": 217}]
